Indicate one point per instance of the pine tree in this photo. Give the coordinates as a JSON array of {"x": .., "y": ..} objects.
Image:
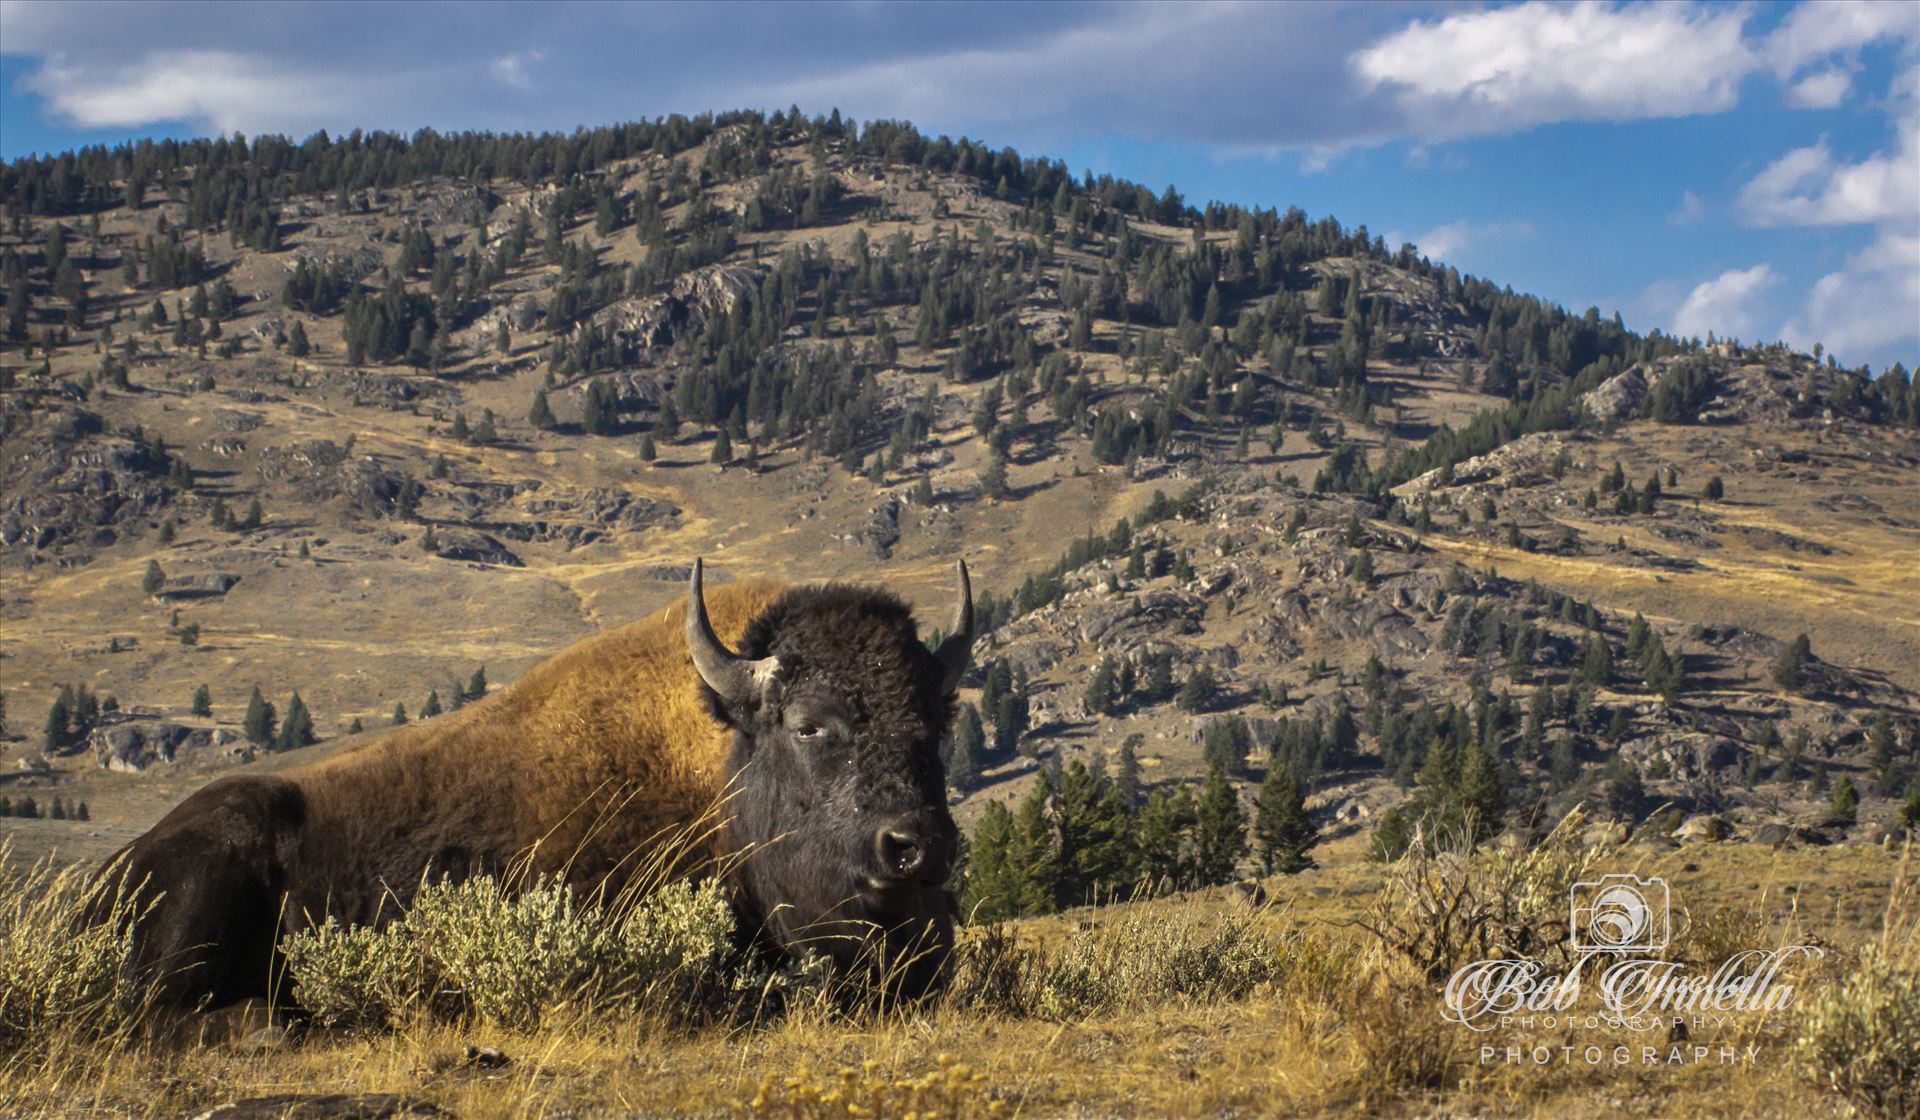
[
  {"x": 993, "y": 480},
  {"x": 1625, "y": 794},
  {"x": 1483, "y": 799},
  {"x": 969, "y": 747},
  {"x": 296, "y": 730},
  {"x": 202, "y": 701},
  {"x": 432, "y": 707},
  {"x": 399, "y": 714},
  {"x": 989, "y": 894},
  {"x": 648, "y": 452},
  {"x": 59, "y": 720},
  {"x": 540, "y": 413},
  {"x": 260, "y": 721},
  {"x": 1282, "y": 831},
  {"x": 1198, "y": 689},
  {"x": 1391, "y": 837},
  {"x": 154, "y": 580},
  {"x": 477, "y": 685},
  {"x": 356, "y": 727},
  {"x": 1126, "y": 777},
  {"x": 1846, "y": 800},
  {"x": 255, "y": 515},
  {"x": 298, "y": 345},
  {"x": 1790, "y": 670},
  {"x": 1221, "y": 837},
  {"x": 1164, "y": 832},
  {"x": 484, "y": 433},
  {"x": 1100, "y": 695},
  {"x": 1880, "y": 746},
  {"x": 1225, "y": 744},
  {"x": 1596, "y": 665},
  {"x": 1715, "y": 489},
  {"x": 722, "y": 447},
  {"x": 1033, "y": 857}
]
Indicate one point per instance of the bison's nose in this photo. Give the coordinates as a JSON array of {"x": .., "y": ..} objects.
[{"x": 908, "y": 850}]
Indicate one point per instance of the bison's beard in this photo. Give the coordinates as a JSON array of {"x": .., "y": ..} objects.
[{"x": 895, "y": 942}]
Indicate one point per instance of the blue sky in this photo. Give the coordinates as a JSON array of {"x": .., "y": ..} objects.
[{"x": 1751, "y": 169}]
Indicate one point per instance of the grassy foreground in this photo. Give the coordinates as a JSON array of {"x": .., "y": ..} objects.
[{"x": 1323, "y": 1000}]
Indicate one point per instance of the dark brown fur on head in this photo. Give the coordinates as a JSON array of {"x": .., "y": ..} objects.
[{"x": 834, "y": 762}]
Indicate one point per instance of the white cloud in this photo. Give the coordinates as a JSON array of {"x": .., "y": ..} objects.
[
  {"x": 1421, "y": 158},
  {"x": 1691, "y": 210},
  {"x": 1725, "y": 305},
  {"x": 1448, "y": 241},
  {"x": 511, "y": 69},
  {"x": 1871, "y": 303},
  {"x": 1814, "y": 32},
  {"x": 1822, "y": 89},
  {"x": 228, "y": 90},
  {"x": 1808, "y": 187},
  {"x": 1504, "y": 69}
]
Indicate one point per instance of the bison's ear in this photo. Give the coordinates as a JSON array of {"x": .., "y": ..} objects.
[{"x": 738, "y": 683}]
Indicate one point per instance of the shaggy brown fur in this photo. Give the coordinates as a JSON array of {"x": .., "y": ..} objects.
[
  {"x": 602, "y": 762},
  {"x": 593, "y": 760}
]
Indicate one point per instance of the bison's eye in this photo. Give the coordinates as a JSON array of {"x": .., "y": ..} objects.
[{"x": 807, "y": 732}]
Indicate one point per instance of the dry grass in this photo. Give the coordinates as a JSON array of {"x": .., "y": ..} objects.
[
  {"x": 1860, "y": 1035},
  {"x": 1187, "y": 1006}
]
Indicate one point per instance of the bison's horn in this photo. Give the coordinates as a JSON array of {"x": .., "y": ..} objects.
[
  {"x": 954, "y": 651},
  {"x": 735, "y": 678}
]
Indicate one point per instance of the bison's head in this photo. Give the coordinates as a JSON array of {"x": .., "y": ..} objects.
[{"x": 839, "y": 796}]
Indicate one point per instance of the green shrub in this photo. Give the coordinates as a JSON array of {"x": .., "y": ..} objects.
[
  {"x": 1860, "y": 1035},
  {"x": 478, "y": 949}
]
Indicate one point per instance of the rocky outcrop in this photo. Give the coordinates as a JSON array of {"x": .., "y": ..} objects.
[
  {"x": 576, "y": 518},
  {"x": 693, "y": 299},
  {"x": 133, "y": 745},
  {"x": 208, "y": 586},
  {"x": 473, "y": 547},
  {"x": 71, "y": 484},
  {"x": 319, "y": 470},
  {"x": 880, "y": 532},
  {"x": 1618, "y": 397}
]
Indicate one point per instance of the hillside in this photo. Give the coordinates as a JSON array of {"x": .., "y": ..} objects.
[{"x": 385, "y": 412}]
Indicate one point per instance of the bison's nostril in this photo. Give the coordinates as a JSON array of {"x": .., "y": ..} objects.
[{"x": 900, "y": 853}]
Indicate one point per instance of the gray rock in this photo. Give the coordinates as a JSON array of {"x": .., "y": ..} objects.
[
  {"x": 1618, "y": 397},
  {"x": 1703, "y": 828},
  {"x": 474, "y": 548},
  {"x": 207, "y": 586},
  {"x": 130, "y": 745},
  {"x": 1604, "y": 835}
]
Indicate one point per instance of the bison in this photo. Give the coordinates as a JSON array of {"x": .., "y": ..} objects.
[{"x": 803, "y": 770}]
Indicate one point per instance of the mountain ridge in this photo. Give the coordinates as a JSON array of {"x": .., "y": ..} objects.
[{"x": 810, "y": 349}]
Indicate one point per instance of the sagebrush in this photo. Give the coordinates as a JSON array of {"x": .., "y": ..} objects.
[{"x": 482, "y": 950}]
